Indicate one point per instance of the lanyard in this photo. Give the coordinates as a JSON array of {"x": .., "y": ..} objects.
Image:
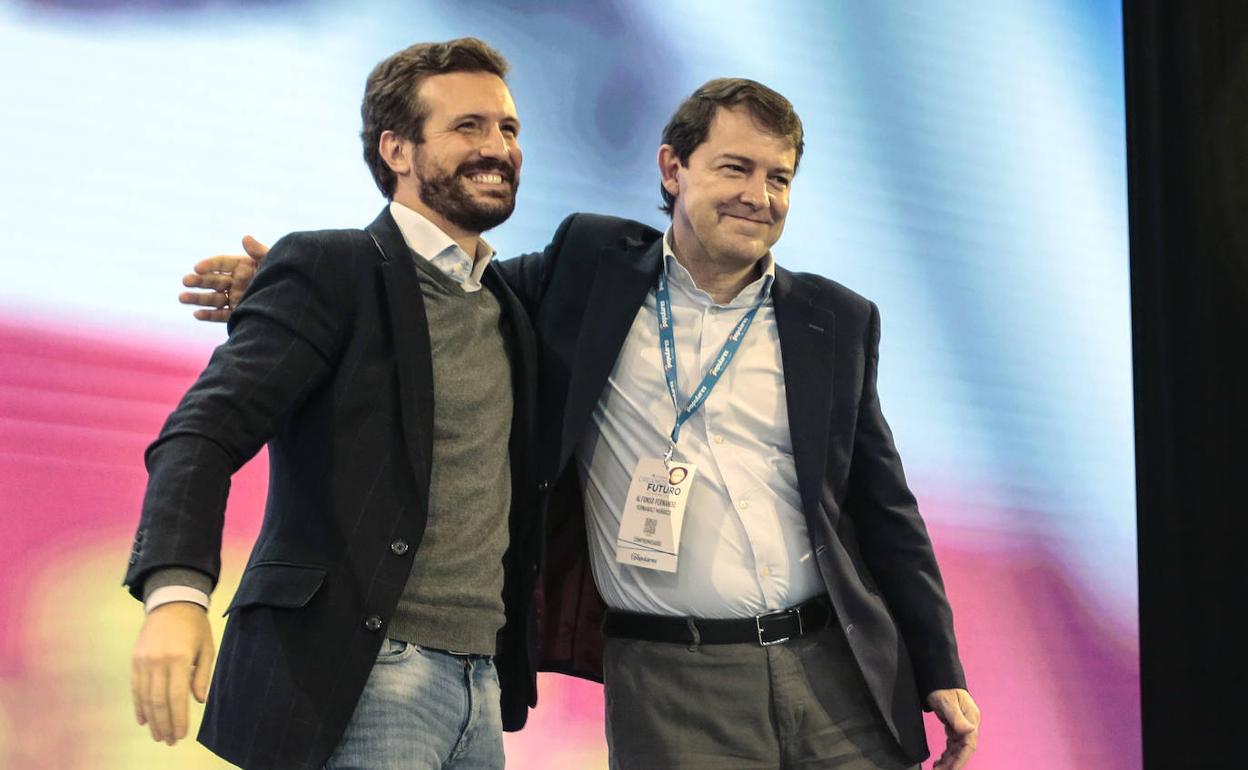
[{"x": 667, "y": 354}]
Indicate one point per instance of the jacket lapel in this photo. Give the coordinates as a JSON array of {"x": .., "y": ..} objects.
[
  {"x": 623, "y": 278},
  {"x": 523, "y": 344},
  {"x": 413, "y": 356},
  {"x": 806, "y": 333}
]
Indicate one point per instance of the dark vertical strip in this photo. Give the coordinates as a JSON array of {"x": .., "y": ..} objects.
[{"x": 1187, "y": 150}]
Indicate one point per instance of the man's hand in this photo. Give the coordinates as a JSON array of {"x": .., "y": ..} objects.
[
  {"x": 226, "y": 277},
  {"x": 960, "y": 715},
  {"x": 174, "y": 653}
]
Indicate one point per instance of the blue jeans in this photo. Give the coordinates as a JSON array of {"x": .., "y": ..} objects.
[{"x": 424, "y": 709}]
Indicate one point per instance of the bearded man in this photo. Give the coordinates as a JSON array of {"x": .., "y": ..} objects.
[{"x": 388, "y": 594}]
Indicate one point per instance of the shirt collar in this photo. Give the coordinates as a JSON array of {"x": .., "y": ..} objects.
[
  {"x": 757, "y": 290},
  {"x": 427, "y": 239}
]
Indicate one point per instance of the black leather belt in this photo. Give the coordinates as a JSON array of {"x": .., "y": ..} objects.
[{"x": 763, "y": 630}]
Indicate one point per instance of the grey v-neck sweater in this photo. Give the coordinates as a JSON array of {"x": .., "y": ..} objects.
[{"x": 453, "y": 598}]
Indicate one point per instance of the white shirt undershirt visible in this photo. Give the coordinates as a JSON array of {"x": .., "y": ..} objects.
[
  {"x": 744, "y": 548},
  {"x": 424, "y": 238}
]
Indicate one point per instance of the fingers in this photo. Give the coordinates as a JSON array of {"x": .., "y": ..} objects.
[
  {"x": 225, "y": 279},
  {"x": 216, "y": 316},
  {"x": 138, "y": 690},
  {"x": 217, "y": 303},
  {"x": 255, "y": 249},
  {"x": 206, "y": 299},
  {"x": 955, "y": 756},
  {"x": 222, "y": 263},
  {"x": 160, "y": 718},
  {"x": 203, "y": 671},
  {"x": 960, "y": 716},
  {"x": 174, "y": 637},
  {"x": 956, "y": 710},
  {"x": 214, "y": 281},
  {"x": 956, "y": 722},
  {"x": 179, "y": 685}
]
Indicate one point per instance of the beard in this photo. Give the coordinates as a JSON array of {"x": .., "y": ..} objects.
[{"x": 448, "y": 195}]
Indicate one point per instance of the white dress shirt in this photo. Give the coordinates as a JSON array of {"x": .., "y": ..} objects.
[
  {"x": 424, "y": 238},
  {"x": 428, "y": 241},
  {"x": 744, "y": 548}
]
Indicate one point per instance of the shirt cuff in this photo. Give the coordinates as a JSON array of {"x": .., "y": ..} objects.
[{"x": 168, "y": 594}]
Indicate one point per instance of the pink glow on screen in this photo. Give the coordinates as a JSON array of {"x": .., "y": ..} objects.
[{"x": 1059, "y": 686}]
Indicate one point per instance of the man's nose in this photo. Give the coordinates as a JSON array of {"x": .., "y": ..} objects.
[
  {"x": 755, "y": 193},
  {"x": 496, "y": 144}
]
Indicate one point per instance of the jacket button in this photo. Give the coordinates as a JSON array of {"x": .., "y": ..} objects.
[
  {"x": 399, "y": 547},
  {"x": 372, "y": 622},
  {"x": 543, "y": 485}
]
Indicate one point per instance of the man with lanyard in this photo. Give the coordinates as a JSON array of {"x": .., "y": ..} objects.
[{"x": 771, "y": 595}]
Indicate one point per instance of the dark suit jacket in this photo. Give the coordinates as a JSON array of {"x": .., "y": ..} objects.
[
  {"x": 871, "y": 546},
  {"x": 328, "y": 362}
]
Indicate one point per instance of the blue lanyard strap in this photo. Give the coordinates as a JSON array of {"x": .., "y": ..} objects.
[{"x": 667, "y": 353}]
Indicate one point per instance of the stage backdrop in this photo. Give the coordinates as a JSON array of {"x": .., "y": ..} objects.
[{"x": 964, "y": 168}]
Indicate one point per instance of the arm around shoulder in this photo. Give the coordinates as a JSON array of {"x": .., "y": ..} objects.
[{"x": 528, "y": 275}]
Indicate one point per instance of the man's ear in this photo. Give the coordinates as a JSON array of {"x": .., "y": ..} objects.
[
  {"x": 669, "y": 164},
  {"x": 396, "y": 152}
]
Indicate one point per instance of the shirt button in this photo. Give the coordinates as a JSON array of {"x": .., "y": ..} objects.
[
  {"x": 745, "y": 505},
  {"x": 372, "y": 622},
  {"x": 765, "y": 572},
  {"x": 399, "y": 547},
  {"x": 718, "y": 439}
]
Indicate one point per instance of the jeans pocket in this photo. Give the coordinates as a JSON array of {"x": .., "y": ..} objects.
[{"x": 395, "y": 651}]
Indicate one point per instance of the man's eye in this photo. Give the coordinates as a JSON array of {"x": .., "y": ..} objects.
[
  {"x": 466, "y": 126},
  {"x": 733, "y": 167},
  {"x": 780, "y": 181}
]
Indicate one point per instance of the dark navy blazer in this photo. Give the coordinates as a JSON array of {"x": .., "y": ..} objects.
[{"x": 328, "y": 362}]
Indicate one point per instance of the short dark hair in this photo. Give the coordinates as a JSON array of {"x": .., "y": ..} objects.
[
  {"x": 691, "y": 123},
  {"x": 390, "y": 95}
]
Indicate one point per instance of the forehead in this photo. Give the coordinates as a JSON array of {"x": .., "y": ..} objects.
[
  {"x": 735, "y": 131},
  {"x": 466, "y": 93}
]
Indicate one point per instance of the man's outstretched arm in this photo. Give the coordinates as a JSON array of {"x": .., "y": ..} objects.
[{"x": 282, "y": 345}]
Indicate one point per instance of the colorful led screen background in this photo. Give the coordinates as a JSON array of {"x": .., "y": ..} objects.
[{"x": 965, "y": 168}]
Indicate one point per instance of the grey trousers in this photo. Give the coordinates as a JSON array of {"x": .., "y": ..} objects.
[{"x": 801, "y": 704}]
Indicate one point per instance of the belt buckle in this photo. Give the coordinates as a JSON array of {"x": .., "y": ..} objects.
[{"x": 758, "y": 624}]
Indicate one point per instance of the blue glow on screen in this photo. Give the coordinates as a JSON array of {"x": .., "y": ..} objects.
[{"x": 965, "y": 169}]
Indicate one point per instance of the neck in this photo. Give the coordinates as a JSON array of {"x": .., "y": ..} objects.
[
  {"x": 722, "y": 281},
  {"x": 467, "y": 240}
]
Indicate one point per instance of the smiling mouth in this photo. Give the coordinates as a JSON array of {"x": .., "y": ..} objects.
[
  {"x": 488, "y": 179},
  {"x": 748, "y": 219}
]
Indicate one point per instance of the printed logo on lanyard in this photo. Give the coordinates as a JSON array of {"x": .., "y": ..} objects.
[{"x": 667, "y": 354}]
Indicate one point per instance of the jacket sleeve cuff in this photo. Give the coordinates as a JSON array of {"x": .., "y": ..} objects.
[{"x": 176, "y": 584}]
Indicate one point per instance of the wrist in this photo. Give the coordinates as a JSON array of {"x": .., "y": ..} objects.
[{"x": 169, "y": 594}]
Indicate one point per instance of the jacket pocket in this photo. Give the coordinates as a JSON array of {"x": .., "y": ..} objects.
[{"x": 275, "y": 584}]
